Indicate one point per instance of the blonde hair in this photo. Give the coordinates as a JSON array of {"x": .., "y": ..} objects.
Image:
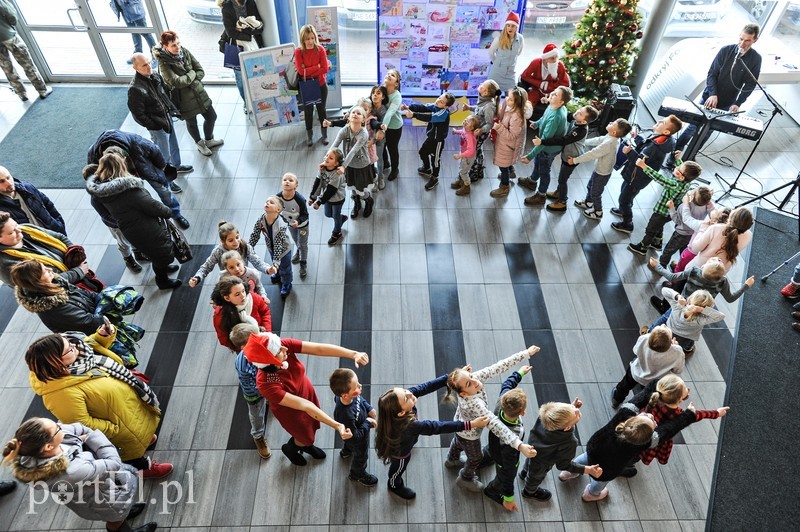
[
  {"x": 669, "y": 390},
  {"x": 701, "y": 298},
  {"x": 505, "y": 42},
  {"x": 304, "y": 31},
  {"x": 514, "y": 402},
  {"x": 111, "y": 165},
  {"x": 556, "y": 416},
  {"x": 713, "y": 270}
]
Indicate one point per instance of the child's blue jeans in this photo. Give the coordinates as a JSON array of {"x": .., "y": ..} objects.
[
  {"x": 334, "y": 210},
  {"x": 285, "y": 271},
  {"x": 595, "y": 486},
  {"x": 541, "y": 170},
  {"x": 505, "y": 173},
  {"x": 594, "y": 190}
]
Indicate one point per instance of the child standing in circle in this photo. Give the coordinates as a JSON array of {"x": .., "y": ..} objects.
[
  {"x": 355, "y": 413},
  {"x": 358, "y": 171},
  {"x": 329, "y": 190},
  {"x": 379, "y": 98},
  {"x": 234, "y": 303},
  {"x": 484, "y": 110},
  {"x": 399, "y": 429},
  {"x": 510, "y": 128},
  {"x": 466, "y": 157},
  {"x": 295, "y": 214},
  {"x": 228, "y": 241},
  {"x": 473, "y": 403},
  {"x": 234, "y": 265},
  {"x": 276, "y": 236}
]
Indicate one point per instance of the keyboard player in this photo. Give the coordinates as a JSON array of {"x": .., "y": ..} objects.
[{"x": 728, "y": 84}]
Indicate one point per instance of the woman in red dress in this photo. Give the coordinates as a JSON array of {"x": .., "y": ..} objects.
[{"x": 283, "y": 381}]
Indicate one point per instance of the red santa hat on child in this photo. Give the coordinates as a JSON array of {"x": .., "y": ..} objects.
[
  {"x": 513, "y": 18},
  {"x": 261, "y": 350},
  {"x": 550, "y": 51}
]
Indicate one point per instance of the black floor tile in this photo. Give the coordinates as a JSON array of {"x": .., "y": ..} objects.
[
  {"x": 601, "y": 263},
  {"x": 521, "y": 264},
  {"x": 530, "y": 306},
  {"x": 445, "y": 309},
  {"x": 358, "y": 264}
]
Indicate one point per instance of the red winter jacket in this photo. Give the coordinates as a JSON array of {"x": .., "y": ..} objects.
[
  {"x": 312, "y": 64},
  {"x": 260, "y": 313}
]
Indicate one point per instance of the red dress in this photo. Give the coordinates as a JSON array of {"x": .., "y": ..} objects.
[
  {"x": 260, "y": 313},
  {"x": 275, "y": 385}
]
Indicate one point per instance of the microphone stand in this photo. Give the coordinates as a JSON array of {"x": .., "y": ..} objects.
[{"x": 775, "y": 111}]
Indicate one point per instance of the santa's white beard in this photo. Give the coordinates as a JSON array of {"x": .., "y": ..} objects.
[{"x": 551, "y": 70}]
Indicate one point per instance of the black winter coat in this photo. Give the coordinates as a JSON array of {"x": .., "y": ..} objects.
[
  {"x": 139, "y": 215},
  {"x": 229, "y": 20},
  {"x": 145, "y": 158},
  {"x": 72, "y": 310},
  {"x": 150, "y": 104},
  {"x": 40, "y": 205}
]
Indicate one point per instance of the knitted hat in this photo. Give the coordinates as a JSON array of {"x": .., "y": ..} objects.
[
  {"x": 550, "y": 51},
  {"x": 513, "y": 18},
  {"x": 261, "y": 350}
]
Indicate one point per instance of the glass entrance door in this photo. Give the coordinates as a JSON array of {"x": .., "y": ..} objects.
[{"x": 88, "y": 39}]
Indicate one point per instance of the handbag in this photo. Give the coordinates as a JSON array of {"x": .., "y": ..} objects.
[
  {"x": 180, "y": 246},
  {"x": 292, "y": 76},
  {"x": 310, "y": 92},
  {"x": 231, "y": 57},
  {"x": 493, "y": 132},
  {"x": 75, "y": 256}
]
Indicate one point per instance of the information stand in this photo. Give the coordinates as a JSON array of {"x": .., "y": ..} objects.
[{"x": 272, "y": 103}]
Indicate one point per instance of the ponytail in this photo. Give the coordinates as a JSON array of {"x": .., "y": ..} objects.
[{"x": 739, "y": 221}]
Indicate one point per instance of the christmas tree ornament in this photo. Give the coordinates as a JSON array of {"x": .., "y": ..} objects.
[
  {"x": 609, "y": 25},
  {"x": 612, "y": 61}
]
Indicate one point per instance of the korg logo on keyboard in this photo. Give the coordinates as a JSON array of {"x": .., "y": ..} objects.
[{"x": 746, "y": 132}]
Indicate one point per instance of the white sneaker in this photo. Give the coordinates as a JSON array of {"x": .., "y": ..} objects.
[
  {"x": 202, "y": 147},
  {"x": 213, "y": 143}
]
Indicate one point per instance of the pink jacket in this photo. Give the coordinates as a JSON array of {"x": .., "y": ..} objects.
[
  {"x": 468, "y": 142},
  {"x": 709, "y": 244},
  {"x": 508, "y": 146}
]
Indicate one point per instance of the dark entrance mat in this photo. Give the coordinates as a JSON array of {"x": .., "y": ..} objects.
[{"x": 48, "y": 145}]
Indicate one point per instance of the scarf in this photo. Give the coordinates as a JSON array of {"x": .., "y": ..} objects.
[
  {"x": 170, "y": 55},
  {"x": 87, "y": 360},
  {"x": 246, "y": 310},
  {"x": 40, "y": 237}
]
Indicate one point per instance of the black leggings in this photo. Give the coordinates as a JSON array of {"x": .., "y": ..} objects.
[
  {"x": 210, "y": 116},
  {"x": 392, "y": 149},
  {"x": 308, "y": 110}
]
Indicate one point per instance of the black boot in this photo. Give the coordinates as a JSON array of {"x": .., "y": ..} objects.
[
  {"x": 356, "y": 207},
  {"x": 325, "y": 136},
  {"x": 313, "y": 452},
  {"x": 368, "y": 204},
  {"x": 309, "y": 137},
  {"x": 135, "y": 510},
  {"x": 292, "y": 452},
  {"x": 165, "y": 283}
]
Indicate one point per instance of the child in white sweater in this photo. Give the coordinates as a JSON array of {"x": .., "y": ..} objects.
[{"x": 472, "y": 404}]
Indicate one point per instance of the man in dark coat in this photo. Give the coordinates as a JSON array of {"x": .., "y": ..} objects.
[
  {"x": 145, "y": 161},
  {"x": 152, "y": 108},
  {"x": 27, "y": 204}
]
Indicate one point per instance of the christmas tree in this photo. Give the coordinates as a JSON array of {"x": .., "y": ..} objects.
[{"x": 603, "y": 47}]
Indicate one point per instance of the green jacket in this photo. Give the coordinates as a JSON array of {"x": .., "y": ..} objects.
[
  {"x": 184, "y": 79},
  {"x": 8, "y": 21}
]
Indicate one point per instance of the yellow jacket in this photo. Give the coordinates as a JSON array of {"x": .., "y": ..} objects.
[{"x": 101, "y": 402}]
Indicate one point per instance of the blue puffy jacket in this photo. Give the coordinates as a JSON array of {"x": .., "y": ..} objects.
[
  {"x": 144, "y": 158},
  {"x": 41, "y": 207}
]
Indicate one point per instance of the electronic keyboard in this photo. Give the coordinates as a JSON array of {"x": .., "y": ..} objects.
[{"x": 737, "y": 125}]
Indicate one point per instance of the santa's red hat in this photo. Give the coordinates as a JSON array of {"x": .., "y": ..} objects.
[
  {"x": 513, "y": 18},
  {"x": 261, "y": 350},
  {"x": 550, "y": 51}
]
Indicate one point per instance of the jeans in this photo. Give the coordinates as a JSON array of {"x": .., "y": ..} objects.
[
  {"x": 358, "y": 463},
  {"x": 563, "y": 176},
  {"x": 210, "y": 116},
  {"x": 137, "y": 37},
  {"x": 655, "y": 228},
  {"x": 505, "y": 175},
  {"x": 594, "y": 190},
  {"x": 541, "y": 170},
  {"x": 662, "y": 320},
  {"x": 595, "y": 486},
  {"x": 626, "y": 195},
  {"x": 300, "y": 237},
  {"x": 285, "y": 271},
  {"x": 256, "y": 412},
  {"x": 796, "y": 275},
  {"x": 168, "y": 144},
  {"x": 167, "y": 197},
  {"x": 237, "y": 75},
  {"x": 334, "y": 210}
]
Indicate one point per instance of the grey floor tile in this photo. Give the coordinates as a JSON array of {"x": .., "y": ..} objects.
[{"x": 684, "y": 485}]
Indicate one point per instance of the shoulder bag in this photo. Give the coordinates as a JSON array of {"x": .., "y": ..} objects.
[{"x": 180, "y": 246}]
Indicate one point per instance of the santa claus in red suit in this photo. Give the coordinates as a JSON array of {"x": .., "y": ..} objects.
[{"x": 543, "y": 75}]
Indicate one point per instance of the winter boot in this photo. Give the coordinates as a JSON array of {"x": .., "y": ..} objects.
[
  {"x": 368, "y": 204},
  {"x": 356, "y": 207},
  {"x": 309, "y": 137},
  {"x": 325, "y": 136},
  {"x": 292, "y": 452}
]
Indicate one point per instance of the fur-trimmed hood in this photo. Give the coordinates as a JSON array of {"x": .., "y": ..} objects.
[
  {"x": 112, "y": 187},
  {"x": 30, "y": 469},
  {"x": 36, "y": 303}
]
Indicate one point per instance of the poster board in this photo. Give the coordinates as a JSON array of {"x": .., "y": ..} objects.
[
  {"x": 440, "y": 45},
  {"x": 325, "y": 21},
  {"x": 271, "y": 101}
]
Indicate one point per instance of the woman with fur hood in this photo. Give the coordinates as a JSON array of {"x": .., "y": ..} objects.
[
  {"x": 81, "y": 466},
  {"x": 140, "y": 217}
]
